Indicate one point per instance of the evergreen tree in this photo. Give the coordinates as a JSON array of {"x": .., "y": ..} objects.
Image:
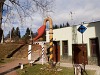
[
  {"x": 60, "y": 25},
  {"x": 17, "y": 32},
  {"x": 53, "y": 27},
  {"x": 13, "y": 35},
  {"x": 8, "y": 35},
  {"x": 27, "y": 35},
  {"x": 67, "y": 24},
  {"x": 27, "y": 32},
  {"x": 63, "y": 25},
  {"x": 31, "y": 34},
  {"x": 56, "y": 26}
]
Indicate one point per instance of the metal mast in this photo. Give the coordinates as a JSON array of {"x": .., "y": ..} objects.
[
  {"x": 74, "y": 30},
  {"x": 74, "y": 34}
]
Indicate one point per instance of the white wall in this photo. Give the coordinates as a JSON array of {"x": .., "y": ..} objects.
[
  {"x": 66, "y": 34},
  {"x": 61, "y": 35},
  {"x": 97, "y": 30},
  {"x": 89, "y": 33}
]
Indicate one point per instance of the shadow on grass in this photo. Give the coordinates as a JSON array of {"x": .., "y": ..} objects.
[
  {"x": 84, "y": 72},
  {"x": 38, "y": 59},
  {"x": 10, "y": 70},
  {"x": 11, "y": 54}
]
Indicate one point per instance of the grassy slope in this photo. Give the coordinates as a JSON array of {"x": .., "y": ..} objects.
[
  {"x": 6, "y": 49},
  {"x": 23, "y": 52}
]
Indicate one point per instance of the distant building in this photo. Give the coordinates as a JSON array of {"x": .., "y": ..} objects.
[
  {"x": 39, "y": 42},
  {"x": 70, "y": 41}
]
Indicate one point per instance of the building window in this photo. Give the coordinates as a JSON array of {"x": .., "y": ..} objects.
[
  {"x": 65, "y": 48},
  {"x": 94, "y": 46}
]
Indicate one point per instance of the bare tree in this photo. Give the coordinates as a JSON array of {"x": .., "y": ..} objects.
[
  {"x": 27, "y": 7},
  {"x": 1, "y": 8},
  {"x": 24, "y": 8}
]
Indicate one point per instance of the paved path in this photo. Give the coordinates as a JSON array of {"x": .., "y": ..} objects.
[
  {"x": 9, "y": 68},
  {"x": 87, "y": 67}
]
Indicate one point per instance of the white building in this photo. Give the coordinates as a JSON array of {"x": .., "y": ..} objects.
[{"x": 68, "y": 36}]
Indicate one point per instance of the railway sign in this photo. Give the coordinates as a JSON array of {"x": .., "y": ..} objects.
[{"x": 82, "y": 29}]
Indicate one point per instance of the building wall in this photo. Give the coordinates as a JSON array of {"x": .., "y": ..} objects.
[
  {"x": 61, "y": 35},
  {"x": 66, "y": 34},
  {"x": 89, "y": 33},
  {"x": 96, "y": 25}
]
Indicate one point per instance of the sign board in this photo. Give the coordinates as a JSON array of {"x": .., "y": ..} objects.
[{"x": 82, "y": 29}]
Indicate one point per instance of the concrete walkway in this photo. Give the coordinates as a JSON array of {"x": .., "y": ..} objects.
[
  {"x": 10, "y": 68},
  {"x": 87, "y": 67}
]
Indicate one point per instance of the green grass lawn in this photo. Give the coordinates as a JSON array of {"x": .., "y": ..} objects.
[{"x": 36, "y": 70}]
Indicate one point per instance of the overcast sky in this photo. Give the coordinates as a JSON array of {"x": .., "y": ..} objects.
[{"x": 82, "y": 11}]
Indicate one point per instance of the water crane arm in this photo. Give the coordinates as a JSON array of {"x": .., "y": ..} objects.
[{"x": 41, "y": 31}]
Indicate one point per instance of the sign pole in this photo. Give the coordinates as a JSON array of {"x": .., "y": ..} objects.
[
  {"x": 82, "y": 38},
  {"x": 83, "y": 52},
  {"x": 82, "y": 29}
]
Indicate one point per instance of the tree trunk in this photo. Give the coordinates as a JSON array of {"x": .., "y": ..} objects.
[{"x": 1, "y": 9}]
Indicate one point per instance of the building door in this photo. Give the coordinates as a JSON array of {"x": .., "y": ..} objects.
[
  {"x": 95, "y": 49},
  {"x": 56, "y": 51},
  {"x": 79, "y": 54},
  {"x": 65, "y": 49}
]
